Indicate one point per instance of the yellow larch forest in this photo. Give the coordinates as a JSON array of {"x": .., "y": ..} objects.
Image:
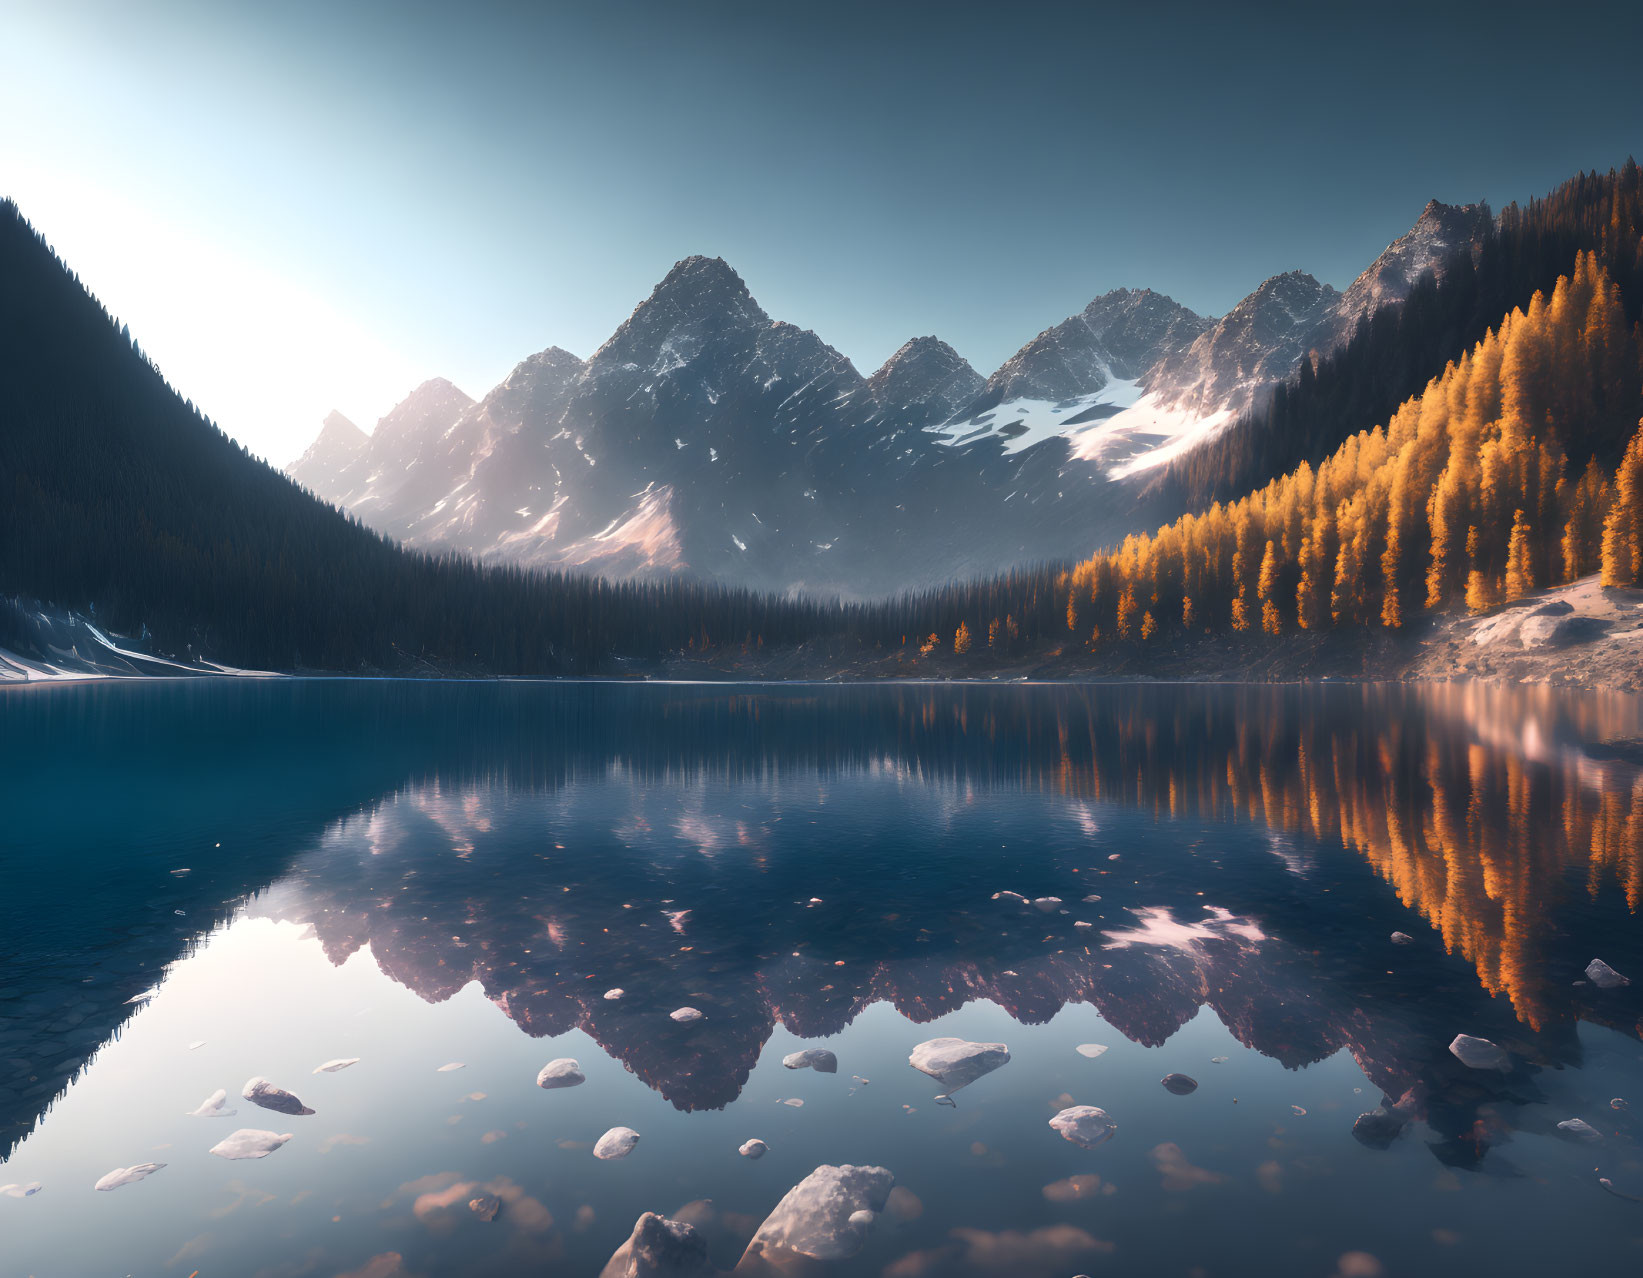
[{"x": 1492, "y": 482}]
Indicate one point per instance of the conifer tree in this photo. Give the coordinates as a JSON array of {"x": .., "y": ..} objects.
[
  {"x": 1520, "y": 572},
  {"x": 1623, "y": 527},
  {"x": 1582, "y": 545}
]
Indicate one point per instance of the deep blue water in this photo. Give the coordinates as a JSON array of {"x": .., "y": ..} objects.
[{"x": 205, "y": 882}]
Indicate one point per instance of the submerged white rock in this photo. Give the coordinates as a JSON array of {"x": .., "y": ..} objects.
[
  {"x": 817, "y": 1058},
  {"x": 1579, "y": 1129},
  {"x": 956, "y": 1061},
  {"x": 564, "y": 1072},
  {"x": 1402, "y": 938},
  {"x": 1091, "y": 1050},
  {"x": 28, "y": 1190},
  {"x": 249, "y": 1142},
  {"x": 613, "y": 994},
  {"x": 1479, "y": 1053},
  {"x": 618, "y": 1142},
  {"x": 660, "y": 1248},
  {"x": 1085, "y": 1125},
  {"x": 259, "y": 1091},
  {"x": 1603, "y": 976},
  {"x": 826, "y": 1216},
  {"x": 685, "y": 1015},
  {"x": 1047, "y": 904},
  {"x": 753, "y": 1149},
  {"x": 331, "y": 1067},
  {"x": 449, "y": 1067},
  {"x": 126, "y": 1176},
  {"x": 213, "y": 1106}
]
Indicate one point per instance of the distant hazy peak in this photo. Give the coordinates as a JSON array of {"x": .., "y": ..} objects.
[
  {"x": 338, "y": 443},
  {"x": 337, "y": 429},
  {"x": 436, "y": 390}
]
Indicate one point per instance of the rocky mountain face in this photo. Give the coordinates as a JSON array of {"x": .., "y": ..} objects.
[
  {"x": 924, "y": 383},
  {"x": 1118, "y": 336},
  {"x": 706, "y": 437},
  {"x": 1441, "y": 232},
  {"x": 409, "y": 462},
  {"x": 1256, "y": 343}
]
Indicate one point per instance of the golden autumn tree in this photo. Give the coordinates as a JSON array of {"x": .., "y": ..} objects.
[
  {"x": 1127, "y": 608},
  {"x": 961, "y": 639},
  {"x": 1623, "y": 527},
  {"x": 1588, "y": 504},
  {"x": 1520, "y": 571},
  {"x": 1266, "y": 586},
  {"x": 1464, "y": 494}
]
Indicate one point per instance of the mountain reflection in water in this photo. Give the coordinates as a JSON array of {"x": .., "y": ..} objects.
[
  {"x": 1480, "y": 807},
  {"x": 789, "y": 856}
]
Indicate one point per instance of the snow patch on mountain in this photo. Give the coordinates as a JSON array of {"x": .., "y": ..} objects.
[
  {"x": 1148, "y": 433},
  {"x": 1019, "y": 424}
]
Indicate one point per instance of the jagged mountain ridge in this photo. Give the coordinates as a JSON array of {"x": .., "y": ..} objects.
[
  {"x": 707, "y": 437},
  {"x": 1254, "y": 344}
]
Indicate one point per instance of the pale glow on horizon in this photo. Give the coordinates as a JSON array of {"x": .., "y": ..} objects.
[{"x": 261, "y": 356}]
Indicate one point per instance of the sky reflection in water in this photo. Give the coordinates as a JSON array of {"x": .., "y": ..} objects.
[{"x": 424, "y": 874}]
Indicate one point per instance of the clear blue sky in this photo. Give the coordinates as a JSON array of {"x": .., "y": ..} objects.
[{"x": 301, "y": 205}]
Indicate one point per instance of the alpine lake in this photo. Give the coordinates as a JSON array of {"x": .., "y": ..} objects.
[{"x": 1353, "y": 975}]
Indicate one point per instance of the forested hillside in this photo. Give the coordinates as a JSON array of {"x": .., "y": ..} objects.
[
  {"x": 1520, "y": 466},
  {"x": 122, "y": 500},
  {"x": 1400, "y": 348}
]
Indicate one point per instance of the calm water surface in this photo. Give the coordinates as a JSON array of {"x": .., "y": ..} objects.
[{"x": 202, "y": 883}]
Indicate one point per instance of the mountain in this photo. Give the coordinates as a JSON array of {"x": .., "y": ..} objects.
[
  {"x": 337, "y": 446},
  {"x": 412, "y": 458},
  {"x": 1084, "y": 369},
  {"x": 707, "y": 438},
  {"x": 1439, "y": 236},
  {"x": 1254, "y": 344},
  {"x": 702, "y": 437},
  {"x": 925, "y": 382}
]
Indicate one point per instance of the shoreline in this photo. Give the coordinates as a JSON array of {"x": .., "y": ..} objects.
[{"x": 1581, "y": 635}]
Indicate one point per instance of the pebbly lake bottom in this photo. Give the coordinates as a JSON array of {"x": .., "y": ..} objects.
[{"x": 209, "y": 885}]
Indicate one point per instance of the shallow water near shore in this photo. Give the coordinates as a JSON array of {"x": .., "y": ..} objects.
[{"x": 210, "y": 882}]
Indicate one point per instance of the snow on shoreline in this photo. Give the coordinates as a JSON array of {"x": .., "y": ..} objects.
[{"x": 62, "y": 647}]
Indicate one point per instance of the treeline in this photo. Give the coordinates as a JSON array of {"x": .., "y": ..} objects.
[
  {"x": 1398, "y": 349},
  {"x": 120, "y": 499},
  {"x": 1521, "y": 466}
]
